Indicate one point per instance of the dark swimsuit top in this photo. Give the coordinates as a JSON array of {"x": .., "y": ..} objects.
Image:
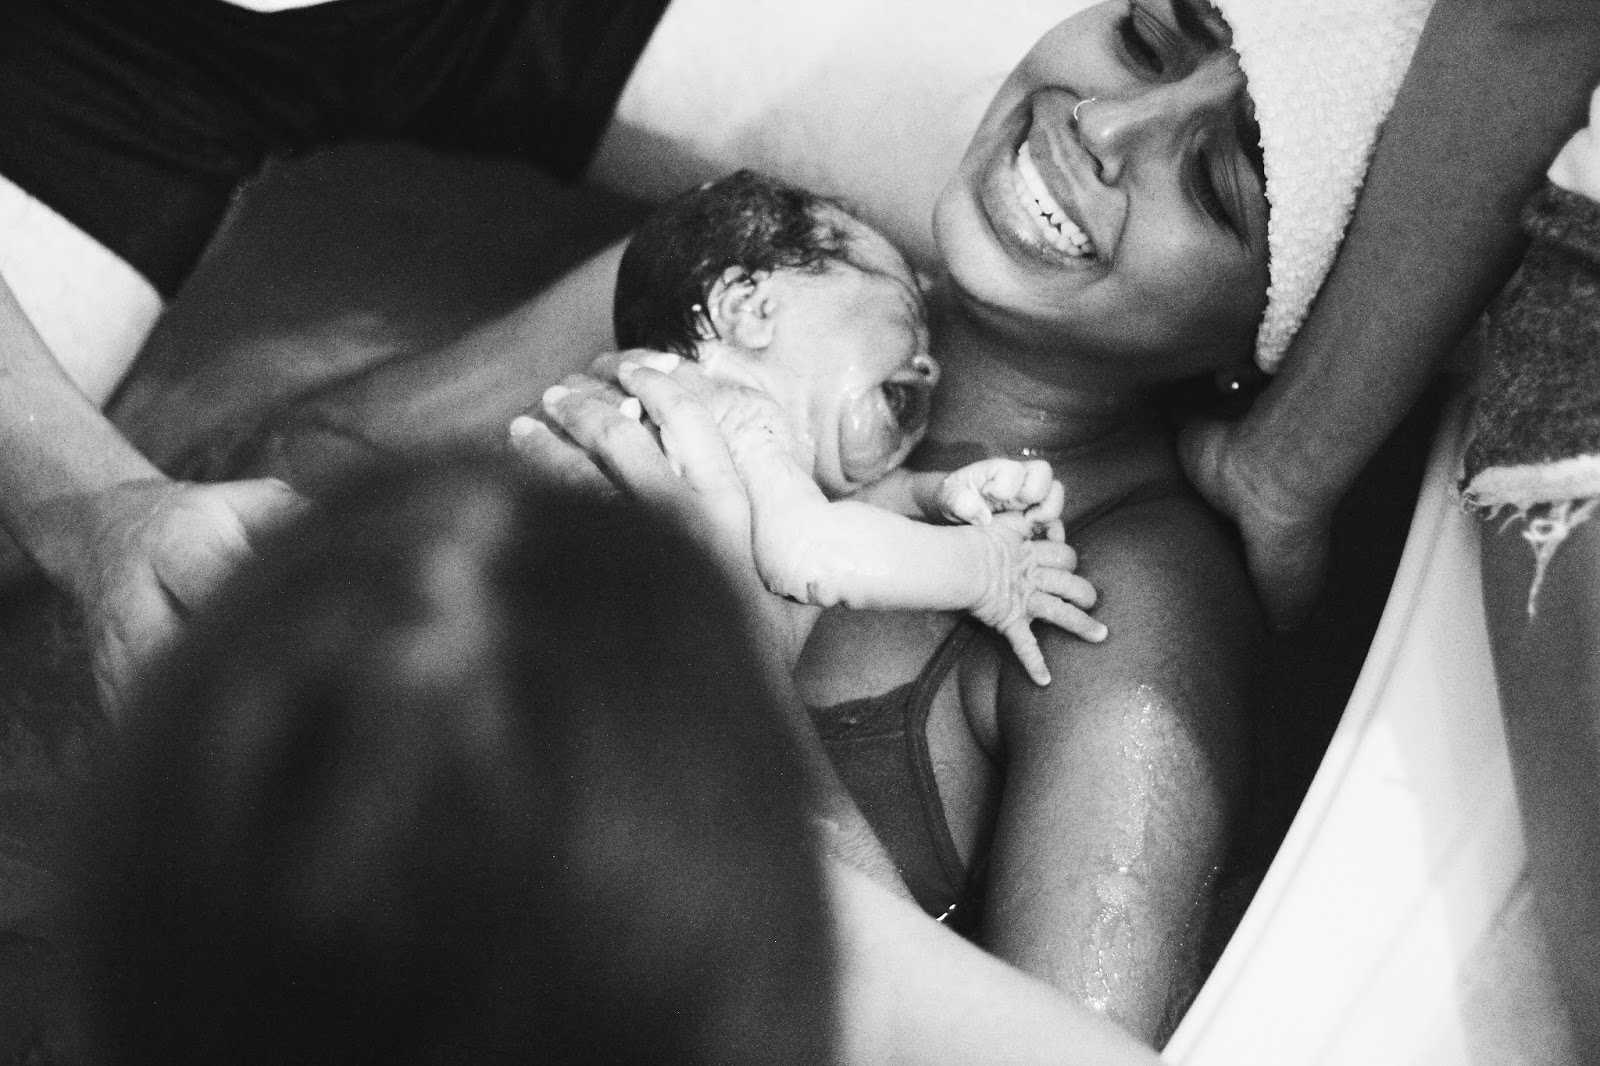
[{"x": 879, "y": 746}]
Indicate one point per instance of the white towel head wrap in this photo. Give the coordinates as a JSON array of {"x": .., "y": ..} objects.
[{"x": 1323, "y": 75}]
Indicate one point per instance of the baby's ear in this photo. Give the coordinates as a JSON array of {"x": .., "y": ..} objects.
[{"x": 743, "y": 308}]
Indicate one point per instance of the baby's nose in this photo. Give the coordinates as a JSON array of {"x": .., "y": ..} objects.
[{"x": 927, "y": 366}]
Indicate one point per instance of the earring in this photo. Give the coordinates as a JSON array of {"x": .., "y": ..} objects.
[
  {"x": 1229, "y": 383},
  {"x": 1239, "y": 383}
]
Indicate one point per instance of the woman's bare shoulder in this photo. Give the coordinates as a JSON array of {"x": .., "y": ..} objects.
[{"x": 1185, "y": 625}]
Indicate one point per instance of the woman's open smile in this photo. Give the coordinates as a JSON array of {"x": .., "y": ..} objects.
[
  {"x": 1042, "y": 195},
  {"x": 1109, "y": 204}
]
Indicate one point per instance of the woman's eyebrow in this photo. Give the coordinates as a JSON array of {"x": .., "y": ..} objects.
[{"x": 1200, "y": 22}]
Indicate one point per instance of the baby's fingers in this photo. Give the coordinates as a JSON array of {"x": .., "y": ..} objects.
[
  {"x": 1026, "y": 645},
  {"x": 1002, "y": 483},
  {"x": 966, "y": 504},
  {"x": 1063, "y": 615},
  {"x": 1063, "y": 583},
  {"x": 1048, "y": 509},
  {"x": 1036, "y": 483}
]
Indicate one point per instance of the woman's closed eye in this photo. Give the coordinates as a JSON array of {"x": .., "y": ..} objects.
[
  {"x": 1219, "y": 190},
  {"x": 1146, "y": 42},
  {"x": 1205, "y": 191},
  {"x": 1160, "y": 47}
]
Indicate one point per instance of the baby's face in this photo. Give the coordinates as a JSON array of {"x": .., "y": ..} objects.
[{"x": 851, "y": 348}]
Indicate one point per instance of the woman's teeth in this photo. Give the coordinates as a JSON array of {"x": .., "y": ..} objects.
[{"x": 1060, "y": 232}]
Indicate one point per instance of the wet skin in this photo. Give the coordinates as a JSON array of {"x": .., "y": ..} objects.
[
  {"x": 1103, "y": 804},
  {"x": 845, "y": 352}
]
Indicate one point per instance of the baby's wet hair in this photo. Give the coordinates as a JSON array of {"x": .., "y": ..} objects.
[{"x": 745, "y": 220}]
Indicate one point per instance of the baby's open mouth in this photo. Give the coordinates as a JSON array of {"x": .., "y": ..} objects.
[{"x": 1060, "y": 231}]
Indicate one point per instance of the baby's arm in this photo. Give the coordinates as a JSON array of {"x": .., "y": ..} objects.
[
  {"x": 859, "y": 555},
  {"x": 972, "y": 494}
]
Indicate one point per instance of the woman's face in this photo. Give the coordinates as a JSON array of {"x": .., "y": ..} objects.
[{"x": 1135, "y": 232}]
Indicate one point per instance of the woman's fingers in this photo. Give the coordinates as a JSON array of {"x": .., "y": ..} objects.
[
  {"x": 555, "y": 459},
  {"x": 606, "y": 366},
  {"x": 618, "y": 445},
  {"x": 689, "y": 434}
]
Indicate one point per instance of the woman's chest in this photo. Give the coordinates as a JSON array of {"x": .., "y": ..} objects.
[{"x": 905, "y": 705}]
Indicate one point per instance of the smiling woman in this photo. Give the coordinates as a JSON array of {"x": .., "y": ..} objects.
[
  {"x": 1134, "y": 128},
  {"x": 1104, "y": 234},
  {"x": 1077, "y": 831}
]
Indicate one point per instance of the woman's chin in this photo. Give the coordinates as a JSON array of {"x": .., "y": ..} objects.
[
  {"x": 1016, "y": 228},
  {"x": 993, "y": 256}
]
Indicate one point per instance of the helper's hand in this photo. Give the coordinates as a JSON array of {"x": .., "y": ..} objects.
[
  {"x": 1286, "y": 533},
  {"x": 141, "y": 556},
  {"x": 1034, "y": 580},
  {"x": 698, "y": 482},
  {"x": 977, "y": 491},
  {"x": 588, "y": 434}
]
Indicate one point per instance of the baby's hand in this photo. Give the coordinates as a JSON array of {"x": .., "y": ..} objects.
[
  {"x": 1032, "y": 579},
  {"x": 976, "y": 492}
]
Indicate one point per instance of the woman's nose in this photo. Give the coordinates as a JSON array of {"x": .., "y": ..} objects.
[
  {"x": 927, "y": 366},
  {"x": 1157, "y": 121}
]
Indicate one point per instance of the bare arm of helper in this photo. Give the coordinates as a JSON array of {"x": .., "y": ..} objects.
[
  {"x": 1495, "y": 88},
  {"x": 135, "y": 549}
]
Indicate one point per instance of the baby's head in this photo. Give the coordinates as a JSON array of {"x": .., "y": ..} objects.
[{"x": 772, "y": 286}]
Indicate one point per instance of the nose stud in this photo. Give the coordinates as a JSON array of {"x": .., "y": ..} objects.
[{"x": 1077, "y": 107}]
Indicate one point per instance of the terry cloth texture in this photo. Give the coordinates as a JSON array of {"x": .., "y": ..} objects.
[
  {"x": 1535, "y": 446},
  {"x": 1323, "y": 75},
  {"x": 1577, "y": 166}
]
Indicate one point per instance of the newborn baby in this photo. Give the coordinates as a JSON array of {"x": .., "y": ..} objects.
[{"x": 809, "y": 326}]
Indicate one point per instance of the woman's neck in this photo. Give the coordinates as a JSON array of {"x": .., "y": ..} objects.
[{"x": 996, "y": 397}]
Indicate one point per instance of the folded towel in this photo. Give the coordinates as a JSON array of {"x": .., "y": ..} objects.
[
  {"x": 1535, "y": 446},
  {"x": 1577, "y": 167},
  {"x": 1323, "y": 75}
]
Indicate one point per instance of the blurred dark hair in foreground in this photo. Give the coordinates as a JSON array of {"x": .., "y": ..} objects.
[{"x": 465, "y": 771}]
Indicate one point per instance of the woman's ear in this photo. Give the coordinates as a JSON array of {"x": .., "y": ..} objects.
[{"x": 742, "y": 308}]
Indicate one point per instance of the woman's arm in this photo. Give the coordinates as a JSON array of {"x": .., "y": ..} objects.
[
  {"x": 1494, "y": 89},
  {"x": 1123, "y": 780},
  {"x": 914, "y": 993}
]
